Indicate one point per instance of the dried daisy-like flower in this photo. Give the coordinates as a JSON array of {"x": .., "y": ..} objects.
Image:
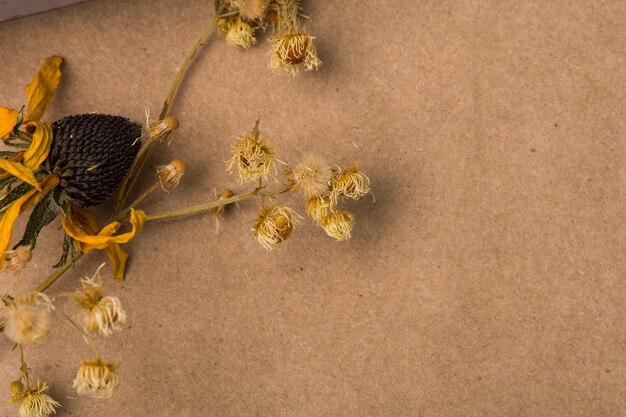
[
  {"x": 100, "y": 314},
  {"x": 351, "y": 183},
  {"x": 96, "y": 378},
  {"x": 318, "y": 207},
  {"x": 252, "y": 156},
  {"x": 26, "y": 319},
  {"x": 311, "y": 176},
  {"x": 293, "y": 48},
  {"x": 161, "y": 130},
  {"x": 170, "y": 174},
  {"x": 274, "y": 225},
  {"x": 338, "y": 225},
  {"x": 250, "y": 9},
  {"x": 16, "y": 259},
  {"x": 36, "y": 403},
  {"x": 240, "y": 34}
]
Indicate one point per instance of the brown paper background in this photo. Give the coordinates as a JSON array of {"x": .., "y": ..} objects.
[{"x": 488, "y": 278}]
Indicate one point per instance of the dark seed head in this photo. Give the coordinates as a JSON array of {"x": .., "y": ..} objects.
[{"x": 91, "y": 153}]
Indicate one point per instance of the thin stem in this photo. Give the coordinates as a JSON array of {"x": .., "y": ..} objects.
[
  {"x": 144, "y": 195},
  {"x": 88, "y": 339},
  {"x": 185, "y": 66},
  {"x": 24, "y": 368},
  {"x": 57, "y": 273},
  {"x": 140, "y": 160},
  {"x": 201, "y": 208}
]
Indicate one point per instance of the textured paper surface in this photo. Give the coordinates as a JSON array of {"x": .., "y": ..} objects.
[{"x": 488, "y": 278}]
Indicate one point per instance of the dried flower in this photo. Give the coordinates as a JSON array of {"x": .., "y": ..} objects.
[
  {"x": 338, "y": 225},
  {"x": 96, "y": 378},
  {"x": 100, "y": 314},
  {"x": 250, "y": 9},
  {"x": 240, "y": 34},
  {"x": 219, "y": 210},
  {"x": 17, "y": 258},
  {"x": 252, "y": 156},
  {"x": 17, "y": 390},
  {"x": 273, "y": 226},
  {"x": 351, "y": 183},
  {"x": 318, "y": 207},
  {"x": 161, "y": 130},
  {"x": 293, "y": 48},
  {"x": 26, "y": 319},
  {"x": 170, "y": 175},
  {"x": 36, "y": 403},
  {"x": 312, "y": 176}
]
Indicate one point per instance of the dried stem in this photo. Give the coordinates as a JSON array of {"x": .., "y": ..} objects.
[
  {"x": 142, "y": 156},
  {"x": 88, "y": 339},
  {"x": 201, "y": 208}
]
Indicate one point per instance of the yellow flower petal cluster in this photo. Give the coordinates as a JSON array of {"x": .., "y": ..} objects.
[
  {"x": 96, "y": 379},
  {"x": 99, "y": 313},
  {"x": 81, "y": 226},
  {"x": 39, "y": 92},
  {"x": 35, "y": 402}
]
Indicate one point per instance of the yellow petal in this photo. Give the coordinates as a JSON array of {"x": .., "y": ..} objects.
[
  {"x": 8, "y": 117},
  {"x": 39, "y": 148},
  {"x": 21, "y": 204},
  {"x": 88, "y": 240},
  {"x": 41, "y": 89},
  {"x": 118, "y": 258},
  {"x": 18, "y": 170}
]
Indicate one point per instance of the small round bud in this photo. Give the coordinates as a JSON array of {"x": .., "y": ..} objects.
[
  {"x": 293, "y": 48},
  {"x": 274, "y": 225},
  {"x": 17, "y": 390},
  {"x": 338, "y": 225},
  {"x": 171, "y": 122},
  {"x": 170, "y": 175}
]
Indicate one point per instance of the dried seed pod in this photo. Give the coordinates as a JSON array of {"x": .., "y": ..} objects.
[{"x": 91, "y": 154}]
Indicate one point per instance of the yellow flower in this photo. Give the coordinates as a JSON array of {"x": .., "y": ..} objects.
[
  {"x": 273, "y": 226},
  {"x": 318, "y": 207},
  {"x": 27, "y": 200},
  {"x": 26, "y": 319},
  {"x": 96, "y": 378},
  {"x": 250, "y": 9},
  {"x": 252, "y": 156},
  {"x": 351, "y": 183},
  {"x": 81, "y": 226},
  {"x": 36, "y": 403},
  {"x": 338, "y": 225},
  {"x": 312, "y": 176},
  {"x": 293, "y": 48},
  {"x": 240, "y": 34},
  {"x": 100, "y": 314},
  {"x": 39, "y": 93}
]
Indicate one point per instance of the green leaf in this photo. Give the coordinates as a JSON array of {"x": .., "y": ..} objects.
[{"x": 44, "y": 212}]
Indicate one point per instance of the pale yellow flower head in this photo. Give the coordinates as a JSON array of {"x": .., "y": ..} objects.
[
  {"x": 240, "y": 34},
  {"x": 36, "y": 403},
  {"x": 338, "y": 225},
  {"x": 292, "y": 49},
  {"x": 312, "y": 176},
  {"x": 170, "y": 174},
  {"x": 273, "y": 226},
  {"x": 26, "y": 319},
  {"x": 318, "y": 207},
  {"x": 250, "y": 9},
  {"x": 17, "y": 259},
  {"x": 99, "y": 314},
  {"x": 252, "y": 156},
  {"x": 351, "y": 183},
  {"x": 96, "y": 379}
]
